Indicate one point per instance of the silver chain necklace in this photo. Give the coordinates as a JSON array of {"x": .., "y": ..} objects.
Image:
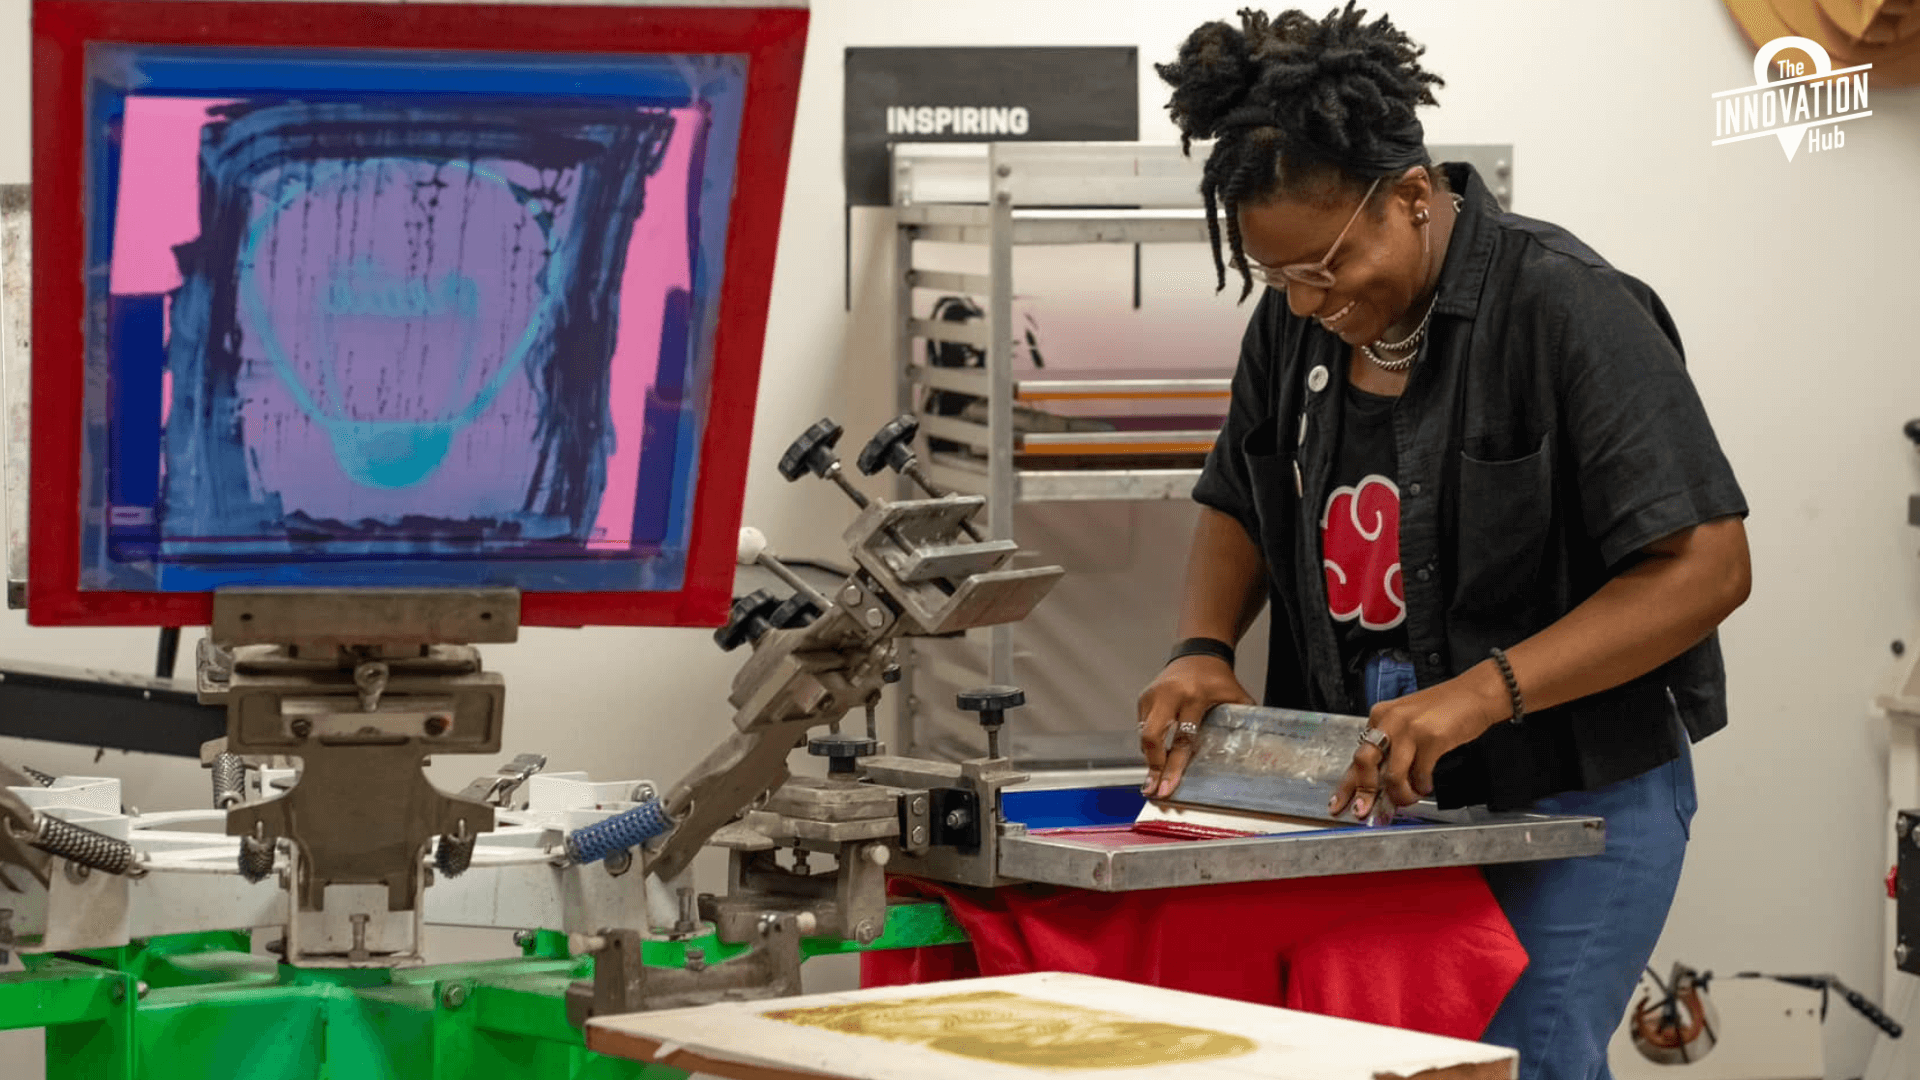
[
  {"x": 1411, "y": 341},
  {"x": 1395, "y": 366}
]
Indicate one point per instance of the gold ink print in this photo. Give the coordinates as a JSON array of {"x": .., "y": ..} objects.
[{"x": 1011, "y": 1029}]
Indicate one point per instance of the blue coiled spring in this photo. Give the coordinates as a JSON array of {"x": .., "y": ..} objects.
[{"x": 627, "y": 829}]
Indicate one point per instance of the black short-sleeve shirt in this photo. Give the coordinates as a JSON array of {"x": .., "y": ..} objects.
[{"x": 1547, "y": 436}]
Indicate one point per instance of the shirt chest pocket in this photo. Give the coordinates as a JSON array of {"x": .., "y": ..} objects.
[
  {"x": 1271, "y": 477},
  {"x": 1267, "y": 466},
  {"x": 1504, "y": 523}
]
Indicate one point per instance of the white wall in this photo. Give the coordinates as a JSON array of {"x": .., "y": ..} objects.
[{"x": 1790, "y": 281}]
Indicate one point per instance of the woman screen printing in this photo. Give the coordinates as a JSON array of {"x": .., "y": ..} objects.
[{"x": 1466, "y": 465}]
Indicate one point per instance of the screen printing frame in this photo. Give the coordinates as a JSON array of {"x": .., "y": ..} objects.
[{"x": 769, "y": 33}]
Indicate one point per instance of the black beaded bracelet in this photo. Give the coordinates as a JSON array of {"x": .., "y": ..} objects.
[
  {"x": 1203, "y": 646},
  {"x": 1513, "y": 684}
]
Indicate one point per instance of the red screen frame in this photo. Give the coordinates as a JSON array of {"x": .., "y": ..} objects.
[{"x": 774, "y": 41}]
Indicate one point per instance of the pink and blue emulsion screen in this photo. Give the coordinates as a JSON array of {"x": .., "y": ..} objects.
[{"x": 384, "y": 318}]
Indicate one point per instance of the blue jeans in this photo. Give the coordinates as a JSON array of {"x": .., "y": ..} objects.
[{"x": 1589, "y": 925}]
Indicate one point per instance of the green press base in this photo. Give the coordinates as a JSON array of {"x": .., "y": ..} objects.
[{"x": 212, "y": 1009}]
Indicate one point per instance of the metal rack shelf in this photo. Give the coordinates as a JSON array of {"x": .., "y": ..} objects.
[
  {"x": 974, "y": 225},
  {"x": 1055, "y": 388},
  {"x": 1006, "y": 195},
  {"x": 1067, "y": 485}
]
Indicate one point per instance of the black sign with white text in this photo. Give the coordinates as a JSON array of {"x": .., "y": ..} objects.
[{"x": 955, "y": 94}]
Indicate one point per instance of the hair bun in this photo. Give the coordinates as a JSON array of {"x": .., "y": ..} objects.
[
  {"x": 1215, "y": 71},
  {"x": 1342, "y": 82},
  {"x": 1338, "y": 89}
]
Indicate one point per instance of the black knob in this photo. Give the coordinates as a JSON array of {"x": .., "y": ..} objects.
[
  {"x": 1913, "y": 431},
  {"x": 992, "y": 703},
  {"x": 812, "y": 451},
  {"x": 841, "y": 751},
  {"x": 891, "y": 446},
  {"x": 747, "y": 621},
  {"x": 992, "y": 699},
  {"x": 796, "y": 611},
  {"x": 890, "y": 673}
]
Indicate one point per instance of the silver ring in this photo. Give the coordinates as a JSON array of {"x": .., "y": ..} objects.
[
  {"x": 1377, "y": 739},
  {"x": 1187, "y": 728}
]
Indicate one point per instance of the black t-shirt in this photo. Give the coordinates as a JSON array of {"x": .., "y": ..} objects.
[{"x": 1360, "y": 535}]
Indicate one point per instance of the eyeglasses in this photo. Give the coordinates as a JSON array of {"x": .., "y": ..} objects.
[{"x": 1314, "y": 274}]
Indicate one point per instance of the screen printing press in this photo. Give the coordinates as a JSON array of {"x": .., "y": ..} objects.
[
  {"x": 280, "y": 389},
  {"x": 135, "y": 925}
]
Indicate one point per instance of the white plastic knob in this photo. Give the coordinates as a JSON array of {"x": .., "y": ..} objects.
[
  {"x": 805, "y": 922},
  {"x": 752, "y": 543}
]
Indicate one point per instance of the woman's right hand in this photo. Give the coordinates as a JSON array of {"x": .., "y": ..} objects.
[{"x": 1175, "y": 702}]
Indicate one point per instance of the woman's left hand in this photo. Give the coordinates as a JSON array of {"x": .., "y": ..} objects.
[{"x": 1420, "y": 728}]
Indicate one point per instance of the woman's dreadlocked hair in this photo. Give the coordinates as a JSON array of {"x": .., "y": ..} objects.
[{"x": 1291, "y": 100}]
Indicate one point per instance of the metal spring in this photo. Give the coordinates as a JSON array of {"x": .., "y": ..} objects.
[
  {"x": 256, "y": 858},
  {"x": 453, "y": 855},
  {"x": 229, "y": 780},
  {"x": 43, "y": 779},
  {"x": 628, "y": 829},
  {"x": 82, "y": 845}
]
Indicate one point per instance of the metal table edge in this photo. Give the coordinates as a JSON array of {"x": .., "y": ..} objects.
[{"x": 1060, "y": 860}]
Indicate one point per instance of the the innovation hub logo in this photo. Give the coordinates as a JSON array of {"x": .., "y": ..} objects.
[{"x": 1792, "y": 103}]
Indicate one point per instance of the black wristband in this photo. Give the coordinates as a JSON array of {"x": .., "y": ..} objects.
[
  {"x": 1203, "y": 646},
  {"x": 1513, "y": 685}
]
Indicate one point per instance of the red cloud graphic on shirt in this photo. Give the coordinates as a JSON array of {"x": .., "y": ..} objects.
[{"x": 1360, "y": 543}]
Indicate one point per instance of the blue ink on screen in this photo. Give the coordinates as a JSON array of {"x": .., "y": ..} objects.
[
  {"x": 390, "y": 356},
  {"x": 363, "y": 292}
]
